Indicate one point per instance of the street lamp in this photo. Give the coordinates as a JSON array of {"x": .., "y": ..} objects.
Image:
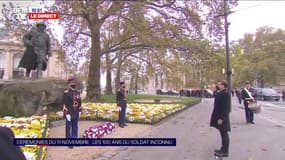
[
  {"x": 232, "y": 72},
  {"x": 228, "y": 67}
]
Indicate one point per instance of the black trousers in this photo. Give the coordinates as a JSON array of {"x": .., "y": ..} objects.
[
  {"x": 225, "y": 140},
  {"x": 248, "y": 114},
  {"x": 122, "y": 113}
]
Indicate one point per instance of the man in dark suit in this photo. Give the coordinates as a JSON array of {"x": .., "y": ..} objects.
[
  {"x": 8, "y": 150},
  {"x": 121, "y": 104},
  {"x": 220, "y": 118},
  {"x": 216, "y": 91}
]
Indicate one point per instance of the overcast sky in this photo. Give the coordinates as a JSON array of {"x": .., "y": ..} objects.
[{"x": 251, "y": 15}]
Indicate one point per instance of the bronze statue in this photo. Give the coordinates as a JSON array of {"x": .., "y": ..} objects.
[{"x": 37, "y": 51}]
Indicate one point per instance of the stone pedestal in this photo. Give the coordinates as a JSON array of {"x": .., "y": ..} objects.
[
  {"x": 18, "y": 74},
  {"x": 28, "y": 97}
]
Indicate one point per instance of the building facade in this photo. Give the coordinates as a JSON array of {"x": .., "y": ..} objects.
[{"x": 11, "y": 52}]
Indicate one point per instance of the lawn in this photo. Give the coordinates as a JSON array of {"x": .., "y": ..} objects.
[
  {"x": 134, "y": 98},
  {"x": 140, "y": 108}
]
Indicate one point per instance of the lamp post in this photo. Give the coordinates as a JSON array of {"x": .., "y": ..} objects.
[{"x": 228, "y": 66}]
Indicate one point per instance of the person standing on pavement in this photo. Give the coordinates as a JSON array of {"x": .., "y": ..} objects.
[
  {"x": 122, "y": 104},
  {"x": 8, "y": 150},
  {"x": 248, "y": 95},
  {"x": 71, "y": 108},
  {"x": 238, "y": 94},
  {"x": 220, "y": 118}
]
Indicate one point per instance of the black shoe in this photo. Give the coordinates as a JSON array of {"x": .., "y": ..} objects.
[
  {"x": 221, "y": 154},
  {"x": 252, "y": 122},
  {"x": 125, "y": 125},
  {"x": 120, "y": 125},
  {"x": 70, "y": 147},
  {"x": 217, "y": 150}
]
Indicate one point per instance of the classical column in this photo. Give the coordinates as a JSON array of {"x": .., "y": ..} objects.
[
  {"x": 8, "y": 66},
  {"x": 2, "y": 61}
]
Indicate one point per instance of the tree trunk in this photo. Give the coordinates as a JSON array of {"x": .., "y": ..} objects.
[
  {"x": 108, "y": 76},
  {"x": 132, "y": 83},
  {"x": 161, "y": 81},
  {"x": 93, "y": 87},
  {"x": 156, "y": 80},
  {"x": 262, "y": 83},
  {"x": 136, "y": 82},
  {"x": 118, "y": 73}
]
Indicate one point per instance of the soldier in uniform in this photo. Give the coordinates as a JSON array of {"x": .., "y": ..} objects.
[
  {"x": 249, "y": 116},
  {"x": 122, "y": 104},
  {"x": 37, "y": 51},
  {"x": 71, "y": 109}
]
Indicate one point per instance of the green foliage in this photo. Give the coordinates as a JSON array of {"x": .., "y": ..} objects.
[
  {"x": 257, "y": 57},
  {"x": 263, "y": 59},
  {"x": 128, "y": 29}
]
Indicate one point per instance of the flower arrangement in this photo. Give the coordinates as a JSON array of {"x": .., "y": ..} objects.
[
  {"x": 28, "y": 127},
  {"x": 137, "y": 113},
  {"x": 99, "y": 131}
]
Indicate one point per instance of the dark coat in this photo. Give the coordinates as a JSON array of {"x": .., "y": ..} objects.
[
  {"x": 72, "y": 101},
  {"x": 121, "y": 99},
  {"x": 215, "y": 92},
  {"x": 8, "y": 150},
  {"x": 29, "y": 58},
  {"x": 221, "y": 111}
]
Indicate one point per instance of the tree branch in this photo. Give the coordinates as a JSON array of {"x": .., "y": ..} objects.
[
  {"x": 126, "y": 56},
  {"x": 69, "y": 14},
  {"x": 119, "y": 43},
  {"x": 161, "y": 6},
  {"x": 115, "y": 5},
  {"x": 125, "y": 48},
  {"x": 140, "y": 58},
  {"x": 85, "y": 13},
  {"x": 84, "y": 33}
]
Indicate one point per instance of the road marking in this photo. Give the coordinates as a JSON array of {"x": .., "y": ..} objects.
[
  {"x": 270, "y": 119},
  {"x": 270, "y": 105}
]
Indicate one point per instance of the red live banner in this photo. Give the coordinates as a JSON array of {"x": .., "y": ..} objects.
[{"x": 43, "y": 15}]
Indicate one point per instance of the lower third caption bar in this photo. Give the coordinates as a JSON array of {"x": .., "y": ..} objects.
[{"x": 96, "y": 142}]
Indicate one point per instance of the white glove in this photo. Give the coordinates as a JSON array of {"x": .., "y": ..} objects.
[
  {"x": 119, "y": 109},
  {"x": 68, "y": 117}
]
